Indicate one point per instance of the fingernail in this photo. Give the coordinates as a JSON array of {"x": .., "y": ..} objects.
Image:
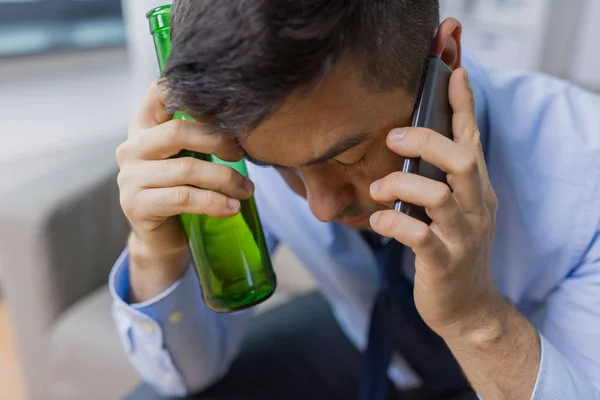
[
  {"x": 374, "y": 218},
  {"x": 248, "y": 185},
  {"x": 375, "y": 186},
  {"x": 233, "y": 204},
  {"x": 397, "y": 135}
]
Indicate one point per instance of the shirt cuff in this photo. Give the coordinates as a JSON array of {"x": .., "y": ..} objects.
[
  {"x": 141, "y": 329},
  {"x": 156, "y": 308},
  {"x": 558, "y": 380}
]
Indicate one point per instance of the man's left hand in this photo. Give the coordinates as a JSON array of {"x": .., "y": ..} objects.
[{"x": 454, "y": 291}]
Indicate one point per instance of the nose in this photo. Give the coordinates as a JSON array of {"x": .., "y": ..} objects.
[{"x": 327, "y": 194}]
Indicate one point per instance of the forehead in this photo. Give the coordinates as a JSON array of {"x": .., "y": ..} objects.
[{"x": 309, "y": 121}]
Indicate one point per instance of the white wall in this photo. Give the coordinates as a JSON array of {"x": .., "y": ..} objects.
[
  {"x": 142, "y": 56},
  {"x": 55, "y": 101},
  {"x": 502, "y": 33},
  {"x": 558, "y": 37}
]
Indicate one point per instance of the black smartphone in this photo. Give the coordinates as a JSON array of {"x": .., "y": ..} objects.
[{"x": 432, "y": 111}]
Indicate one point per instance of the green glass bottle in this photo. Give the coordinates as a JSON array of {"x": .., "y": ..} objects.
[{"x": 230, "y": 254}]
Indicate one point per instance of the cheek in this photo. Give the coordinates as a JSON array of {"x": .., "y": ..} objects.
[
  {"x": 385, "y": 163},
  {"x": 379, "y": 165}
]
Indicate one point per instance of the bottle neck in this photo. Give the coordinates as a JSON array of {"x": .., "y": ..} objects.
[{"x": 162, "y": 43}]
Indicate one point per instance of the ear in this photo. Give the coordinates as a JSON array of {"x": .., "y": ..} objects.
[{"x": 447, "y": 42}]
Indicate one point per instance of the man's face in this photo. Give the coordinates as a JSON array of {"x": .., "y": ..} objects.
[{"x": 329, "y": 145}]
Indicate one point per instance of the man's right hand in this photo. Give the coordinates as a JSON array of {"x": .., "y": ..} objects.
[{"x": 155, "y": 188}]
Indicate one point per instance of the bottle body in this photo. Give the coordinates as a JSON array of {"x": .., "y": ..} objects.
[{"x": 230, "y": 255}]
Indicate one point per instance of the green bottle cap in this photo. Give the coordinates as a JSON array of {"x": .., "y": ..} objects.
[{"x": 159, "y": 18}]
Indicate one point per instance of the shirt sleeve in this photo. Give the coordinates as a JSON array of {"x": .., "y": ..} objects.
[
  {"x": 570, "y": 336},
  {"x": 176, "y": 344}
]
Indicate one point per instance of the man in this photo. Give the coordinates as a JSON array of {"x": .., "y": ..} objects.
[{"x": 320, "y": 91}]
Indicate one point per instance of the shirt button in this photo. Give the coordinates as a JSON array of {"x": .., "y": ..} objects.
[
  {"x": 148, "y": 327},
  {"x": 175, "y": 317}
]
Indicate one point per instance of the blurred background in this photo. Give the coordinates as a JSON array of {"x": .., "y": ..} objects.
[{"x": 72, "y": 73}]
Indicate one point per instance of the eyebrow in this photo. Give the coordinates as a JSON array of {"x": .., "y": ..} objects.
[{"x": 338, "y": 148}]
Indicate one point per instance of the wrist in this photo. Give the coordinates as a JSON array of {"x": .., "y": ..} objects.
[
  {"x": 482, "y": 326},
  {"x": 500, "y": 355},
  {"x": 498, "y": 323},
  {"x": 490, "y": 331},
  {"x": 152, "y": 271},
  {"x": 141, "y": 246}
]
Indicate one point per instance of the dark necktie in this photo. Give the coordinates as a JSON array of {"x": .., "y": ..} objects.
[{"x": 396, "y": 326}]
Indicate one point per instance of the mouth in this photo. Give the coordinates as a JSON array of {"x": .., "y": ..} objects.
[{"x": 355, "y": 220}]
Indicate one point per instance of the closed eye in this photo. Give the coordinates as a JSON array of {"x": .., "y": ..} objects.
[
  {"x": 349, "y": 166},
  {"x": 264, "y": 164}
]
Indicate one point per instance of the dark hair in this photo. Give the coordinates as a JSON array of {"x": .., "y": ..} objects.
[{"x": 234, "y": 61}]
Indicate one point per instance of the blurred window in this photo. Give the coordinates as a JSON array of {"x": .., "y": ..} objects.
[{"x": 37, "y": 26}]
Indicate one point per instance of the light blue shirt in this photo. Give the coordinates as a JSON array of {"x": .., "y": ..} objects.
[{"x": 541, "y": 137}]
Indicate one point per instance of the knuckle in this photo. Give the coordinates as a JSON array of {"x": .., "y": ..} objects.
[
  {"x": 209, "y": 199},
  {"x": 422, "y": 236},
  {"x": 473, "y": 139},
  {"x": 442, "y": 195},
  {"x": 186, "y": 165},
  {"x": 397, "y": 179},
  {"x": 121, "y": 153},
  {"x": 231, "y": 175},
  {"x": 121, "y": 180},
  {"x": 167, "y": 166},
  {"x": 494, "y": 205},
  {"x": 127, "y": 203},
  {"x": 476, "y": 136},
  {"x": 145, "y": 225},
  {"x": 485, "y": 226},
  {"x": 468, "y": 164},
  {"x": 175, "y": 130},
  {"x": 182, "y": 196},
  {"x": 424, "y": 135}
]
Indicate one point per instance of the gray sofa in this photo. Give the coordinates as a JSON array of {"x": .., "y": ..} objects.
[
  {"x": 61, "y": 229},
  {"x": 60, "y": 233}
]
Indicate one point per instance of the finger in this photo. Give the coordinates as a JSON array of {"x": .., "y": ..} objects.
[
  {"x": 168, "y": 202},
  {"x": 153, "y": 110},
  {"x": 464, "y": 120},
  {"x": 168, "y": 139},
  {"x": 412, "y": 233},
  {"x": 190, "y": 171},
  {"x": 436, "y": 197},
  {"x": 457, "y": 161}
]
